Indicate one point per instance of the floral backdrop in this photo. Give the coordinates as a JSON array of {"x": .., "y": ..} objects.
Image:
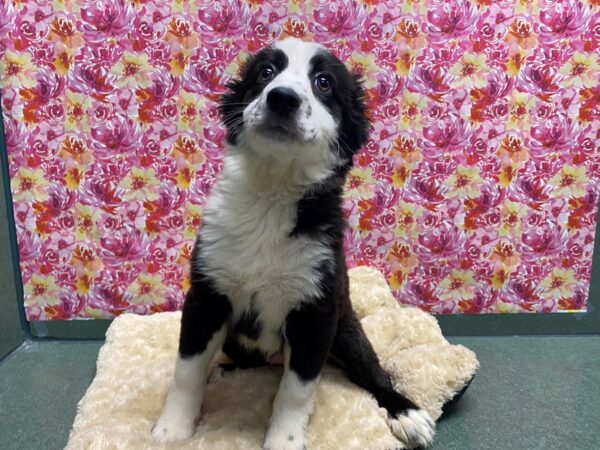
[{"x": 477, "y": 192}]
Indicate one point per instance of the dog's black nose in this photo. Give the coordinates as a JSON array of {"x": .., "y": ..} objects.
[{"x": 283, "y": 100}]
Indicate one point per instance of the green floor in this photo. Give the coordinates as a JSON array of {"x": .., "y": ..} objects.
[{"x": 531, "y": 393}]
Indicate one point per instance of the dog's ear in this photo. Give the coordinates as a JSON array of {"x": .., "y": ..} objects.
[
  {"x": 231, "y": 104},
  {"x": 355, "y": 125}
]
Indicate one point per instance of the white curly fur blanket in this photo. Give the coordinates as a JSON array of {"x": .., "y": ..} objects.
[{"x": 136, "y": 363}]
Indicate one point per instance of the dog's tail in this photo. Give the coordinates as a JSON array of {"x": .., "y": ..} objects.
[{"x": 353, "y": 351}]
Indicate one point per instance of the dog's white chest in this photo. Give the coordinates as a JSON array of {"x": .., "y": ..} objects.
[{"x": 249, "y": 252}]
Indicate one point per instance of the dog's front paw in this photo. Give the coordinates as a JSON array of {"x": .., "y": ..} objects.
[
  {"x": 414, "y": 427},
  {"x": 170, "y": 428},
  {"x": 284, "y": 440}
]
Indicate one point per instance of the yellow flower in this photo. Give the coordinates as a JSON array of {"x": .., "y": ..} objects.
[
  {"x": 83, "y": 283},
  {"x": 508, "y": 170},
  {"x": 63, "y": 61},
  {"x": 400, "y": 174},
  {"x": 76, "y": 107},
  {"x": 470, "y": 71},
  {"x": 365, "y": 64},
  {"x": 411, "y": 106},
  {"x": 458, "y": 285},
  {"x": 140, "y": 184},
  {"x": 178, "y": 62},
  {"x": 359, "y": 183},
  {"x": 405, "y": 148},
  {"x": 133, "y": 70},
  {"x": 405, "y": 62},
  {"x": 515, "y": 60},
  {"x": 41, "y": 291},
  {"x": 184, "y": 176},
  {"x": 193, "y": 220},
  {"x": 147, "y": 289},
  {"x": 513, "y": 148},
  {"x": 86, "y": 218},
  {"x": 569, "y": 182},
  {"x": 189, "y": 106},
  {"x": 29, "y": 185},
  {"x": 464, "y": 182},
  {"x": 519, "y": 105},
  {"x": 582, "y": 71},
  {"x": 73, "y": 178},
  {"x": 510, "y": 218},
  {"x": 17, "y": 70},
  {"x": 559, "y": 284},
  {"x": 406, "y": 217}
]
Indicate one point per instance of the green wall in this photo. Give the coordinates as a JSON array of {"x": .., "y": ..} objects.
[{"x": 11, "y": 332}]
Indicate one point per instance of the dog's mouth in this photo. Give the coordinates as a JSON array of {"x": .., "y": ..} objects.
[{"x": 279, "y": 130}]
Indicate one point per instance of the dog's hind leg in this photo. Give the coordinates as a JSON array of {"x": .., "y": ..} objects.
[
  {"x": 203, "y": 331},
  {"x": 353, "y": 351}
]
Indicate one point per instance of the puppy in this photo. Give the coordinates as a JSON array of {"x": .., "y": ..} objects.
[{"x": 268, "y": 270}]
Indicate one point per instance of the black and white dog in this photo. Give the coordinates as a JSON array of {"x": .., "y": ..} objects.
[{"x": 268, "y": 269}]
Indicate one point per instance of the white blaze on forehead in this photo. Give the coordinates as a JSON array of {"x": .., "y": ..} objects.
[{"x": 299, "y": 53}]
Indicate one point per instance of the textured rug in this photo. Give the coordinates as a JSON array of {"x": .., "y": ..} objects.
[{"x": 136, "y": 363}]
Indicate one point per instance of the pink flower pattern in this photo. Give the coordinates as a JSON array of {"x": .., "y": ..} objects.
[{"x": 477, "y": 192}]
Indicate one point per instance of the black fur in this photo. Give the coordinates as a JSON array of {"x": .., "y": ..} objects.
[
  {"x": 247, "y": 87},
  {"x": 327, "y": 325},
  {"x": 204, "y": 312}
]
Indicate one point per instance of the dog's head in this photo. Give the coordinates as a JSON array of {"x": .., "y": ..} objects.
[{"x": 295, "y": 96}]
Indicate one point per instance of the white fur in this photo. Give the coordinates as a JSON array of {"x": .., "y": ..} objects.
[
  {"x": 415, "y": 428},
  {"x": 292, "y": 408},
  {"x": 247, "y": 250},
  {"x": 184, "y": 400}
]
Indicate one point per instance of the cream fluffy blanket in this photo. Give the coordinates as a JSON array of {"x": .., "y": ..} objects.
[{"x": 136, "y": 363}]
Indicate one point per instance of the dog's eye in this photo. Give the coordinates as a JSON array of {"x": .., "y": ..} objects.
[
  {"x": 323, "y": 83},
  {"x": 266, "y": 74}
]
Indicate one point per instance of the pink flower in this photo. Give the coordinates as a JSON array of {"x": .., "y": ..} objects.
[
  {"x": 109, "y": 298},
  {"x": 420, "y": 292},
  {"x": 450, "y": 20},
  {"x": 115, "y": 137},
  {"x": 523, "y": 292},
  {"x": 91, "y": 79},
  {"x": 105, "y": 54},
  {"x": 337, "y": 19},
  {"x": 15, "y": 134},
  {"x": 100, "y": 192},
  {"x": 389, "y": 85},
  {"x": 499, "y": 85},
  {"x": 260, "y": 33},
  {"x": 539, "y": 79},
  {"x": 71, "y": 305},
  {"x": 444, "y": 241},
  {"x": 146, "y": 32},
  {"x": 425, "y": 188},
  {"x": 106, "y": 19},
  {"x": 483, "y": 301},
  {"x": 447, "y": 135},
  {"x": 545, "y": 240},
  {"x": 222, "y": 19},
  {"x": 379, "y": 28},
  {"x": 59, "y": 200},
  {"x": 555, "y": 135},
  {"x": 429, "y": 79},
  {"x": 529, "y": 189},
  {"x": 562, "y": 20},
  {"x": 29, "y": 245},
  {"x": 206, "y": 74},
  {"x": 124, "y": 246}
]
